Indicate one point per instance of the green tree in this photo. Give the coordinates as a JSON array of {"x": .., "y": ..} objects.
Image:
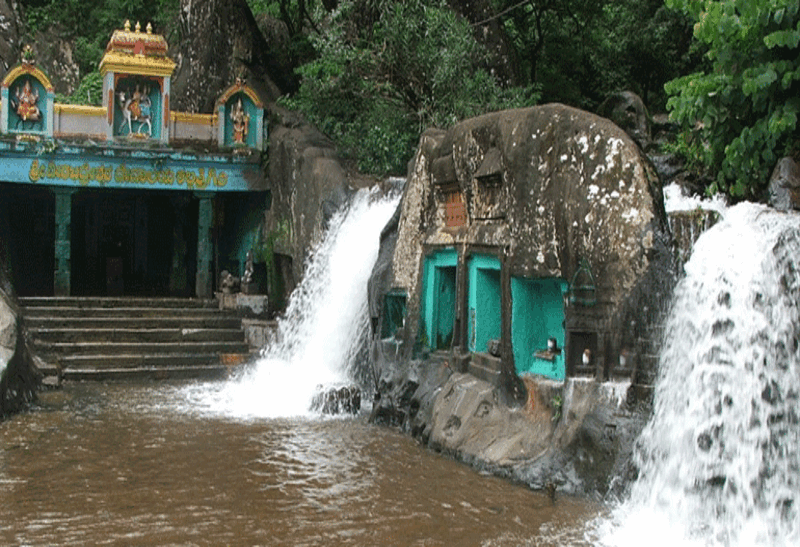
[
  {"x": 741, "y": 114},
  {"x": 90, "y": 25},
  {"x": 374, "y": 87}
]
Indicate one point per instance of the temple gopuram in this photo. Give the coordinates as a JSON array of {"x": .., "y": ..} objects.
[{"x": 128, "y": 198}]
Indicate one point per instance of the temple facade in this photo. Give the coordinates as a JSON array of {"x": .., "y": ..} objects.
[{"x": 127, "y": 198}]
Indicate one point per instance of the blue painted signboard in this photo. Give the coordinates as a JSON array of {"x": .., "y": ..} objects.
[{"x": 124, "y": 168}]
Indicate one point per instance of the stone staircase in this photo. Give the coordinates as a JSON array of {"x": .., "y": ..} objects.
[{"x": 133, "y": 338}]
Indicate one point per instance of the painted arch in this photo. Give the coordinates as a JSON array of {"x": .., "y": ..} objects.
[
  {"x": 27, "y": 97},
  {"x": 241, "y": 117}
]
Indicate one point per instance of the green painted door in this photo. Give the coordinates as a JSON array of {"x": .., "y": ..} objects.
[
  {"x": 439, "y": 298},
  {"x": 484, "y": 302}
]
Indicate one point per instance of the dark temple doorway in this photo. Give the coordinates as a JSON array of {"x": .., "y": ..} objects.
[
  {"x": 27, "y": 237},
  {"x": 133, "y": 243}
]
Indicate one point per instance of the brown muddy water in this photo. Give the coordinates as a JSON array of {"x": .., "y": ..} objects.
[{"x": 136, "y": 464}]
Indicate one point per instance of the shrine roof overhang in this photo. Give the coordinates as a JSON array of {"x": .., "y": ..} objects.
[
  {"x": 90, "y": 165},
  {"x": 125, "y": 63},
  {"x": 26, "y": 68}
]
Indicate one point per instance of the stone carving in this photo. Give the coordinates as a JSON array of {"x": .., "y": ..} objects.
[
  {"x": 26, "y": 104},
  {"x": 228, "y": 282},
  {"x": 136, "y": 107},
  {"x": 247, "y": 284},
  {"x": 241, "y": 121}
]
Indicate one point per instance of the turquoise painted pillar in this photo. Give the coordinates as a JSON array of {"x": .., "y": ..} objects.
[
  {"x": 63, "y": 247},
  {"x": 205, "y": 217}
]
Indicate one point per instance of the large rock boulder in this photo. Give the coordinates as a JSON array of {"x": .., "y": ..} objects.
[
  {"x": 547, "y": 190},
  {"x": 19, "y": 375},
  {"x": 569, "y": 186},
  {"x": 784, "y": 185},
  {"x": 308, "y": 185},
  {"x": 222, "y": 41},
  {"x": 627, "y": 110},
  {"x": 10, "y": 32}
]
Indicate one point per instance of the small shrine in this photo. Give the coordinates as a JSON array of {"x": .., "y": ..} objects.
[
  {"x": 27, "y": 99},
  {"x": 240, "y": 113},
  {"x": 136, "y": 84}
]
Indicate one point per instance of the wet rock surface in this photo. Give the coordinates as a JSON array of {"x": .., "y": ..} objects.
[
  {"x": 575, "y": 437},
  {"x": 308, "y": 186},
  {"x": 337, "y": 400},
  {"x": 627, "y": 110},
  {"x": 784, "y": 185},
  {"x": 19, "y": 375}
]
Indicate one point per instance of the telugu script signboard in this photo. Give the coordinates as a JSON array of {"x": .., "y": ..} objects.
[{"x": 164, "y": 172}]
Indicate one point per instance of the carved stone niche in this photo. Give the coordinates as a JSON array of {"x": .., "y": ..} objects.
[
  {"x": 448, "y": 192},
  {"x": 489, "y": 197}
]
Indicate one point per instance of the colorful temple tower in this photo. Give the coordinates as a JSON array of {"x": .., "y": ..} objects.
[{"x": 136, "y": 84}]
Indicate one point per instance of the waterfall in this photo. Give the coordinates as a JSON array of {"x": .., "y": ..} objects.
[
  {"x": 719, "y": 462},
  {"x": 325, "y": 323}
]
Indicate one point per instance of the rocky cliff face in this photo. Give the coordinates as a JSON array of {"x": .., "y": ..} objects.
[
  {"x": 222, "y": 41},
  {"x": 10, "y": 45},
  {"x": 308, "y": 186},
  {"x": 53, "y": 55}
]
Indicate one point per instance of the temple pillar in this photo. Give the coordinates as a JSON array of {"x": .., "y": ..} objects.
[
  {"x": 63, "y": 246},
  {"x": 205, "y": 218}
]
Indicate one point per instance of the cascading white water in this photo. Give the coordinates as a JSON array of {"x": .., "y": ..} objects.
[
  {"x": 720, "y": 459},
  {"x": 325, "y": 322}
]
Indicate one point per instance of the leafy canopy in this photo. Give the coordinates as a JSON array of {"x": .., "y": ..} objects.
[
  {"x": 741, "y": 113},
  {"x": 374, "y": 88}
]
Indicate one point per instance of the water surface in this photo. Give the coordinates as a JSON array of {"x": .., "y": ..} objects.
[{"x": 137, "y": 464}]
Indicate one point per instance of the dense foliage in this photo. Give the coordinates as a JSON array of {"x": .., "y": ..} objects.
[
  {"x": 374, "y": 89},
  {"x": 741, "y": 113},
  {"x": 580, "y": 51},
  {"x": 90, "y": 25},
  {"x": 381, "y": 71}
]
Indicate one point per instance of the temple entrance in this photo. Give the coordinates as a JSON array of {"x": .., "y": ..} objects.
[
  {"x": 133, "y": 243},
  {"x": 27, "y": 237}
]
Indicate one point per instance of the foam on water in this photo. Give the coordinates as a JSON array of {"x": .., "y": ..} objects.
[
  {"x": 324, "y": 326},
  {"x": 676, "y": 199},
  {"x": 719, "y": 462}
]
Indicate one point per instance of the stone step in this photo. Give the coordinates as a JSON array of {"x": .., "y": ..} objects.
[
  {"x": 134, "y": 338},
  {"x": 132, "y": 312},
  {"x": 61, "y": 349},
  {"x": 208, "y": 372},
  {"x": 116, "y": 323},
  {"x": 115, "y": 302},
  {"x": 139, "y": 361},
  {"x": 122, "y": 334}
]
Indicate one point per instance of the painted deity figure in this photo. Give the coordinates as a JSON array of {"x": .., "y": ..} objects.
[
  {"x": 136, "y": 108},
  {"x": 26, "y": 106},
  {"x": 241, "y": 121}
]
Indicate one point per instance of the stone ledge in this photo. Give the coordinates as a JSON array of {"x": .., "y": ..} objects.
[
  {"x": 251, "y": 305},
  {"x": 259, "y": 332},
  {"x": 485, "y": 367}
]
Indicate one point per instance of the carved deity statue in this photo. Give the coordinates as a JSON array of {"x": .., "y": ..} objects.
[
  {"x": 247, "y": 277},
  {"x": 240, "y": 120},
  {"x": 136, "y": 107},
  {"x": 26, "y": 106}
]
